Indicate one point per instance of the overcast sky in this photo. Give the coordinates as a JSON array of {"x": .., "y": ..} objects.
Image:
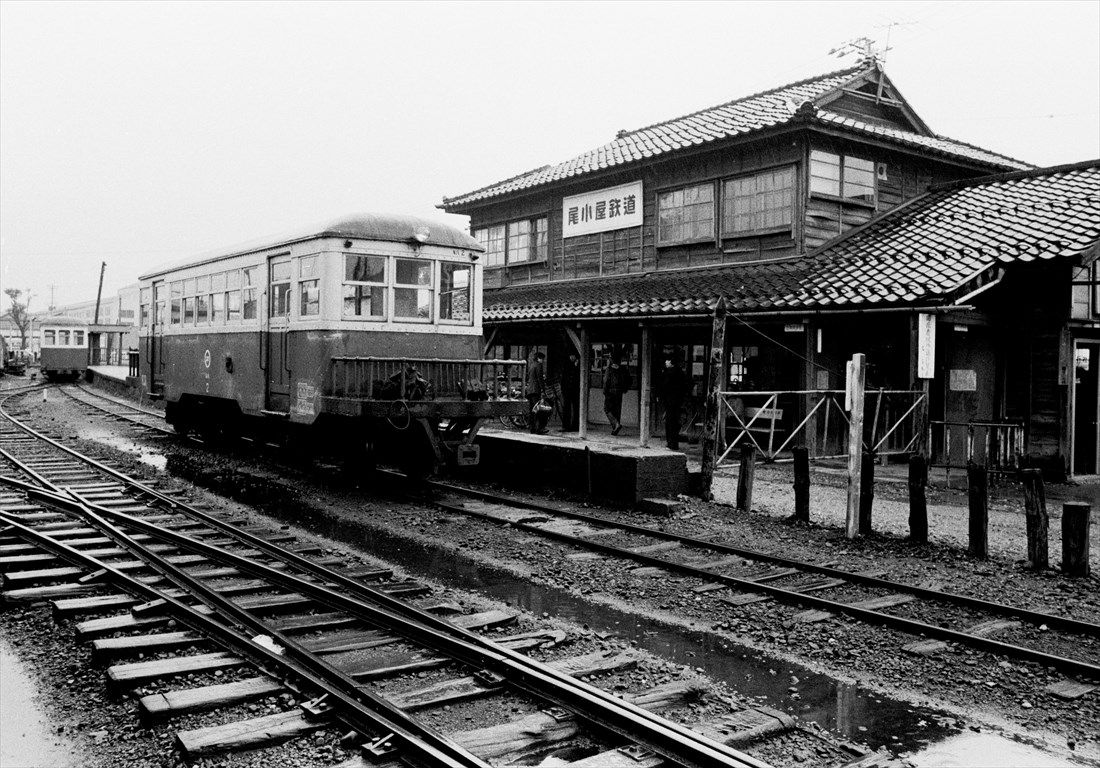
[{"x": 140, "y": 133}]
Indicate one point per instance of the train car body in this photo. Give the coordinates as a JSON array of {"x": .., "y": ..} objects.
[
  {"x": 354, "y": 331},
  {"x": 63, "y": 342}
]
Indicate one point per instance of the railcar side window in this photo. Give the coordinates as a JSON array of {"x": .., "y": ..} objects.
[
  {"x": 280, "y": 289},
  {"x": 143, "y": 316},
  {"x": 412, "y": 293},
  {"x": 158, "y": 303},
  {"x": 454, "y": 291},
  {"x": 249, "y": 276},
  {"x": 189, "y": 310},
  {"x": 364, "y": 286},
  {"x": 202, "y": 308},
  {"x": 49, "y": 338},
  {"x": 309, "y": 286},
  {"x": 217, "y": 298},
  {"x": 177, "y": 303}
]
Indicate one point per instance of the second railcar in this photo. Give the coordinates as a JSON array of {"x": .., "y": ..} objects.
[
  {"x": 64, "y": 348},
  {"x": 363, "y": 333}
]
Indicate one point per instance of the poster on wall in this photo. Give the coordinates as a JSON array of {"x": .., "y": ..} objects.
[{"x": 603, "y": 210}]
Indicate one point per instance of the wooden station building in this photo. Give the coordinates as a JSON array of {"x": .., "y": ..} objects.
[{"x": 832, "y": 220}]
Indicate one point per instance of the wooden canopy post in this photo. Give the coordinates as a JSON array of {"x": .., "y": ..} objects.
[
  {"x": 711, "y": 419},
  {"x": 857, "y": 380},
  {"x": 585, "y": 378},
  {"x": 645, "y": 393}
]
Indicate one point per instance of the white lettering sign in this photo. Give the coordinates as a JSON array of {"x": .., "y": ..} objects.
[
  {"x": 963, "y": 380},
  {"x": 602, "y": 210},
  {"x": 926, "y": 346}
]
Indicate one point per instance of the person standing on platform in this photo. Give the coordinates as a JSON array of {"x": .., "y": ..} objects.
[
  {"x": 571, "y": 394},
  {"x": 536, "y": 392},
  {"x": 616, "y": 382},
  {"x": 673, "y": 389}
]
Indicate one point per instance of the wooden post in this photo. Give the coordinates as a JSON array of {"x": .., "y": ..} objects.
[
  {"x": 866, "y": 492},
  {"x": 918, "y": 502},
  {"x": 711, "y": 420},
  {"x": 978, "y": 485},
  {"x": 645, "y": 394},
  {"x": 857, "y": 379},
  {"x": 1035, "y": 509},
  {"x": 745, "y": 477},
  {"x": 586, "y": 378},
  {"x": 1075, "y": 538},
  {"x": 802, "y": 484}
]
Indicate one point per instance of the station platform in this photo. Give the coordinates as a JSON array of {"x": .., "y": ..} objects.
[
  {"x": 606, "y": 467},
  {"x": 115, "y": 380}
]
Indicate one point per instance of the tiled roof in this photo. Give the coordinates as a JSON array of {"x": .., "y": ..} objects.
[
  {"x": 760, "y": 111},
  {"x": 923, "y": 251}
]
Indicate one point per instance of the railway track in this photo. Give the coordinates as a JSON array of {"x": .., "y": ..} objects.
[
  {"x": 118, "y": 410},
  {"x": 129, "y": 560},
  {"x": 739, "y": 576}
]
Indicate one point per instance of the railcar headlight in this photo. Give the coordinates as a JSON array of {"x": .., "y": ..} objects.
[{"x": 421, "y": 235}]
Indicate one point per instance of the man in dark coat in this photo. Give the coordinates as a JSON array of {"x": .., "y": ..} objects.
[
  {"x": 672, "y": 391},
  {"x": 536, "y": 390},
  {"x": 571, "y": 394},
  {"x": 616, "y": 382}
]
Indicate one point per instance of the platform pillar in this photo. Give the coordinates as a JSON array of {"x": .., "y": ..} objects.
[
  {"x": 585, "y": 378},
  {"x": 645, "y": 395}
]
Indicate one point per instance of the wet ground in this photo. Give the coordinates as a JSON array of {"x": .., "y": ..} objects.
[{"x": 27, "y": 737}]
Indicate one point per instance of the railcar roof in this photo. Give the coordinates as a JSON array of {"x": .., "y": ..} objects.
[{"x": 386, "y": 227}]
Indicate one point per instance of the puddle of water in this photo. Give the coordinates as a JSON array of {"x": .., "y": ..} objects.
[
  {"x": 151, "y": 458},
  {"x": 26, "y": 739},
  {"x": 844, "y": 708},
  {"x": 986, "y": 749}
]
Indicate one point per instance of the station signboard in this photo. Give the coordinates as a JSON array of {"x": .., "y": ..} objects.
[{"x": 602, "y": 210}]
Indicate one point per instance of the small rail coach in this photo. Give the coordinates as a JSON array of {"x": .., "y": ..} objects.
[
  {"x": 64, "y": 348},
  {"x": 363, "y": 334}
]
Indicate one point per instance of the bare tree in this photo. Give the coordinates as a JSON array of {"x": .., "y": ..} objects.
[{"x": 19, "y": 314}]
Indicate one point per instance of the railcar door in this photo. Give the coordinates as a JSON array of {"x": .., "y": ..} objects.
[
  {"x": 157, "y": 322},
  {"x": 278, "y": 320}
]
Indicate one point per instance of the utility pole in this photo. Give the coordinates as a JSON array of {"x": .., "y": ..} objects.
[
  {"x": 99, "y": 293},
  {"x": 53, "y": 287}
]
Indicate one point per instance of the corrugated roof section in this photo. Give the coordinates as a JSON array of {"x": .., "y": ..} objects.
[
  {"x": 923, "y": 251},
  {"x": 741, "y": 116}
]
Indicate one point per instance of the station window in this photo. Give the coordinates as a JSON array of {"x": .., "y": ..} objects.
[
  {"x": 852, "y": 178},
  {"x": 685, "y": 215},
  {"x": 455, "y": 291},
  {"x": 762, "y": 201},
  {"x": 49, "y": 338},
  {"x": 280, "y": 289},
  {"x": 364, "y": 286},
  {"x": 177, "y": 303},
  {"x": 493, "y": 239},
  {"x": 519, "y": 241},
  {"x": 249, "y": 278},
  {"x": 412, "y": 293},
  {"x": 309, "y": 286}
]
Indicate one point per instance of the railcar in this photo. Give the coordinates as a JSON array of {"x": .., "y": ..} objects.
[
  {"x": 361, "y": 335},
  {"x": 64, "y": 348}
]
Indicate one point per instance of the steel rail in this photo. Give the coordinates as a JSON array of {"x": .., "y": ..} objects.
[
  {"x": 1035, "y": 617},
  {"x": 676, "y": 742},
  {"x": 126, "y": 417},
  {"x": 652, "y": 731},
  {"x": 912, "y": 626},
  {"x": 361, "y": 710},
  {"x": 119, "y": 403}
]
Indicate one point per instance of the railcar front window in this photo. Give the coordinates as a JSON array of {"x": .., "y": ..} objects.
[
  {"x": 250, "y": 277},
  {"x": 412, "y": 293},
  {"x": 62, "y": 338},
  {"x": 143, "y": 317},
  {"x": 309, "y": 286},
  {"x": 177, "y": 303},
  {"x": 454, "y": 291},
  {"x": 280, "y": 289},
  {"x": 49, "y": 338},
  {"x": 78, "y": 338},
  {"x": 364, "y": 286}
]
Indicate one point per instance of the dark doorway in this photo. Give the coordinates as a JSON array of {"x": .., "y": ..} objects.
[{"x": 1086, "y": 408}]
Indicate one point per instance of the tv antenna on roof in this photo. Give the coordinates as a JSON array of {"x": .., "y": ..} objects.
[{"x": 863, "y": 47}]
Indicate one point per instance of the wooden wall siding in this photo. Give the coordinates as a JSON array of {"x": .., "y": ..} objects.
[
  {"x": 880, "y": 114},
  {"x": 617, "y": 252}
]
